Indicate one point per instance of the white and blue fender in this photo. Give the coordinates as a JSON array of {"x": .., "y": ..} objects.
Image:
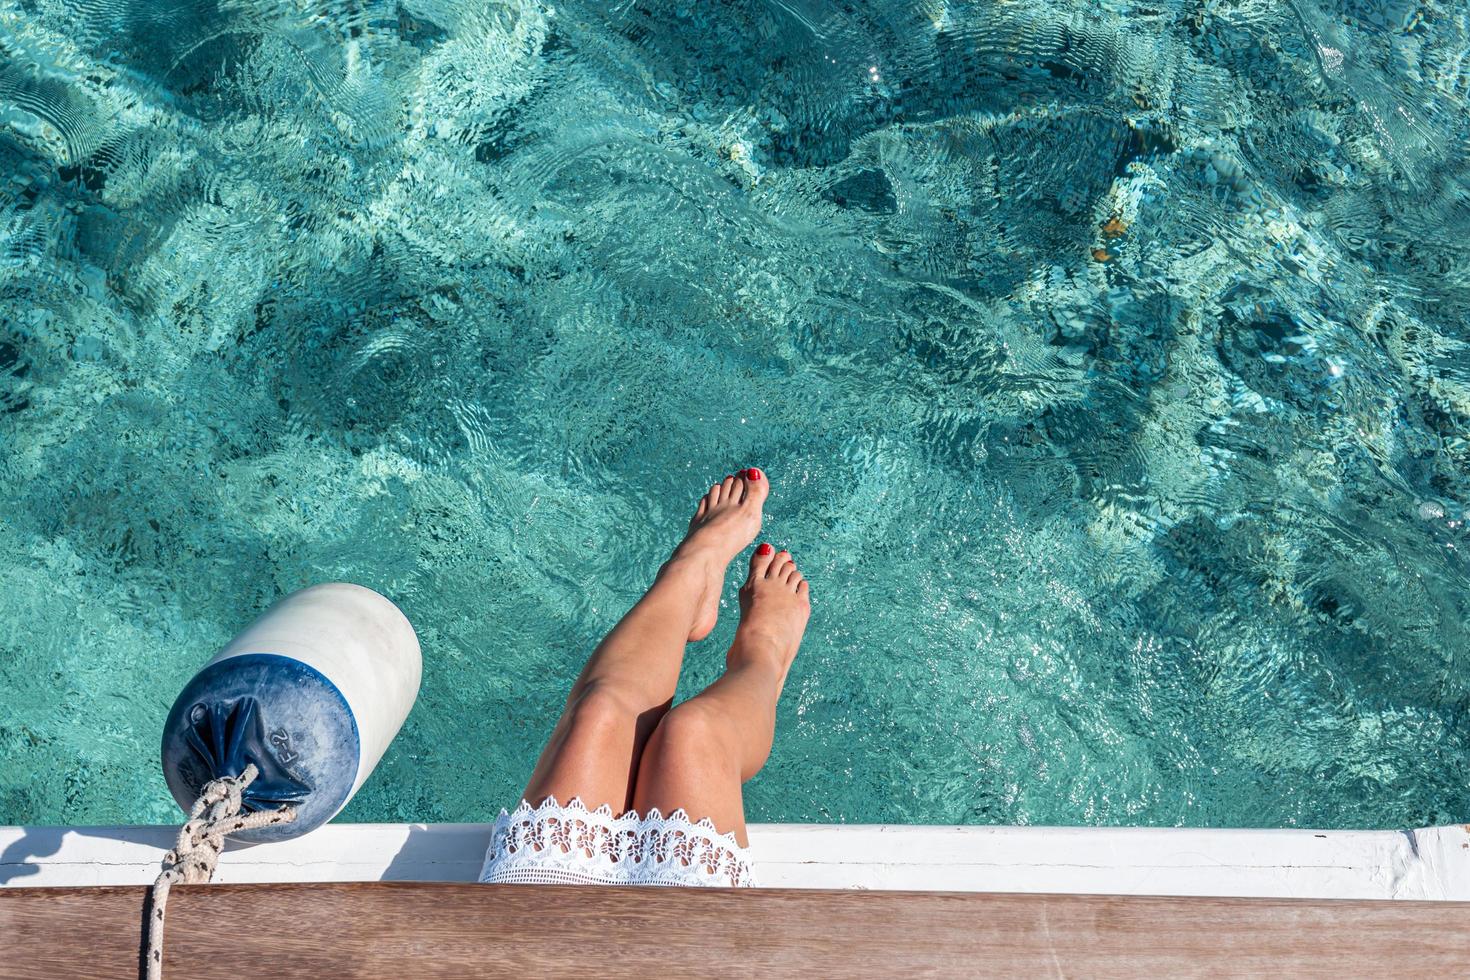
[{"x": 312, "y": 692}]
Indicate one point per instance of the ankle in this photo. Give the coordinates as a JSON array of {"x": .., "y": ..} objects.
[
  {"x": 756, "y": 646},
  {"x": 692, "y": 565},
  {"x": 695, "y": 553}
]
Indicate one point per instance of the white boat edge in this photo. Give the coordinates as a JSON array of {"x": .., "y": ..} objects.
[{"x": 1428, "y": 864}]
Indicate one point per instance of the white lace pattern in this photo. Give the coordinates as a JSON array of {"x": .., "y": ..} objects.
[{"x": 570, "y": 844}]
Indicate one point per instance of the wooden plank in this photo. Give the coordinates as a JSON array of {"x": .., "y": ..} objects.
[{"x": 408, "y": 930}]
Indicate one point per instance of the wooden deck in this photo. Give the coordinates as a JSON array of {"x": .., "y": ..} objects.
[{"x": 407, "y": 930}]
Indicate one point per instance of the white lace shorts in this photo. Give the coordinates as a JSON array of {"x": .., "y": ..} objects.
[{"x": 555, "y": 844}]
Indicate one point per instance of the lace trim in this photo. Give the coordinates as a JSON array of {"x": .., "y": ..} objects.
[{"x": 563, "y": 843}]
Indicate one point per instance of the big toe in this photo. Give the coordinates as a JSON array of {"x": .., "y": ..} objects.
[
  {"x": 757, "y": 486},
  {"x": 760, "y": 560}
]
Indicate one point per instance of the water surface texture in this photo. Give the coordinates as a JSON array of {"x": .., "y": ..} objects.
[{"x": 1109, "y": 361}]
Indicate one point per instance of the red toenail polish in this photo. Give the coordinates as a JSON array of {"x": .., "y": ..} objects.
[
  {"x": 764, "y": 549},
  {"x": 753, "y": 473}
]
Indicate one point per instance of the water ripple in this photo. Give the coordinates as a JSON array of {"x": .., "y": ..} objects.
[{"x": 1109, "y": 360}]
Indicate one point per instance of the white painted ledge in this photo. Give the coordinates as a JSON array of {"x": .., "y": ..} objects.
[{"x": 1432, "y": 863}]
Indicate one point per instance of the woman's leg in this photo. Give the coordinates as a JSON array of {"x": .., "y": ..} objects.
[
  {"x": 628, "y": 683},
  {"x": 703, "y": 750}
]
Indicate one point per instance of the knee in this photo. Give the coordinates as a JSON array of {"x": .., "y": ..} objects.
[
  {"x": 692, "y": 730},
  {"x": 598, "y": 709}
]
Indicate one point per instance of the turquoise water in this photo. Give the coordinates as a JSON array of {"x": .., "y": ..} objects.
[{"x": 1109, "y": 361}]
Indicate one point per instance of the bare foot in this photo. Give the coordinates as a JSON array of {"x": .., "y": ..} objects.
[
  {"x": 774, "y": 608},
  {"x": 728, "y": 519}
]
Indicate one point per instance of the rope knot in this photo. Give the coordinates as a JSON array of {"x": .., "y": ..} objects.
[{"x": 214, "y": 815}]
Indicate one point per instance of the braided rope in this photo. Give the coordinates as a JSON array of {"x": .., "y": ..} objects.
[{"x": 215, "y": 814}]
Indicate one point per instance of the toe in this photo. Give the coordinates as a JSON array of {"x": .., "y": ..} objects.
[
  {"x": 761, "y": 559},
  {"x": 793, "y": 578},
  {"x": 702, "y": 509},
  {"x": 779, "y": 564},
  {"x": 738, "y": 491},
  {"x": 757, "y": 487},
  {"x": 729, "y": 490}
]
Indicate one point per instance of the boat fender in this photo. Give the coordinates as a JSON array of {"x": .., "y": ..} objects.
[{"x": 311, "y": 693}]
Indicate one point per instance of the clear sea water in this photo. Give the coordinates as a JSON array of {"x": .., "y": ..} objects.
[{"x": 1109, "y": 360}]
